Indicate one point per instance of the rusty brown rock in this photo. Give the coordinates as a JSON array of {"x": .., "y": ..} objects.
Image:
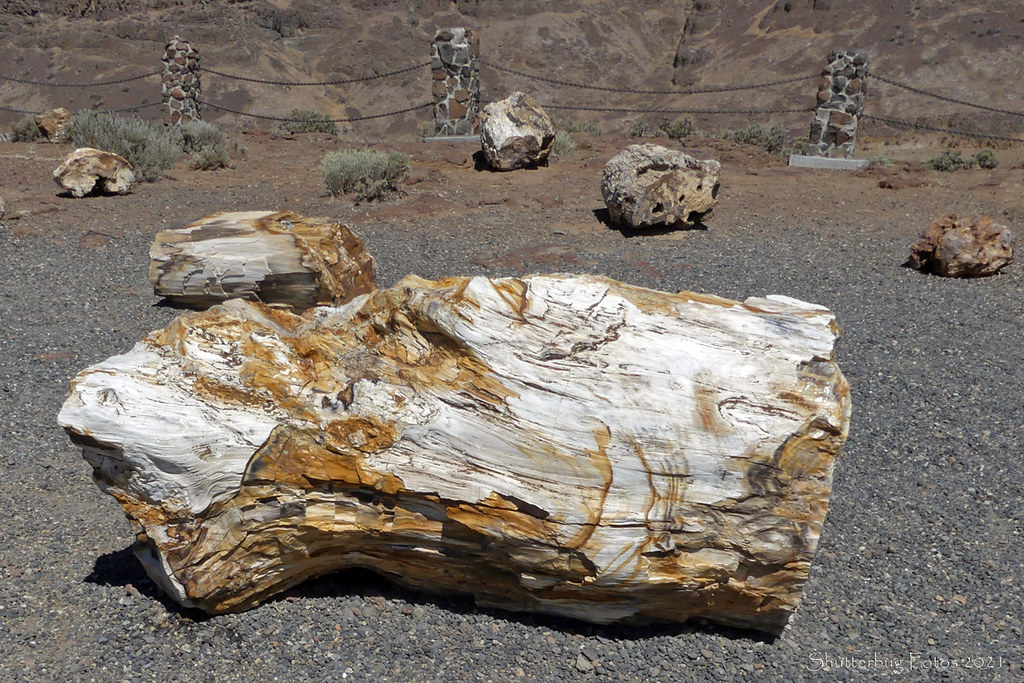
[
  {"x": 498, "y": 437},
  {"x": 277, "y": 257},
  {"x": 54, "y": 124},
  {"x": 973, "y": 246}
]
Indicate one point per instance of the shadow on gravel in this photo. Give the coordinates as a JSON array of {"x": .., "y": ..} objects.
[
  {"x": 375, "y": 590},
  {"x": 603, "y": 216},
  {"x": 123, "y": 569}
]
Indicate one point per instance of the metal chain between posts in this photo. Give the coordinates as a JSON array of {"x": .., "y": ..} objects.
[
  {"x": 348, "y": 120},
  {"x": 680, "y": 111},
  {"x": 315, "y": 83},
  {"x": 98, "y": 111},
  {"x": 953, "y": 131},
  {"x": 944, "y": 98},
  {"x": 693, "y": 91},
  {"x": 79, "y": 85}
]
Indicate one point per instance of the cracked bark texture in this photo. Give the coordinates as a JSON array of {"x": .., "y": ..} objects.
[{"x": 565, "y": 445}]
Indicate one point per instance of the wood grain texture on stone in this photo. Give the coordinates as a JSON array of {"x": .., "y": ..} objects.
[
  {"x": 277, "y": 257},
  {"x": 88, "y": 170},
  {"x": 566, "y": 445},
  {"x": 650, "y": 185}
]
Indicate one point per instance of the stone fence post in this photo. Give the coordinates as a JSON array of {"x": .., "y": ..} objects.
[
  {"x": 180, "y": 85},
  {"x": 456, "y": 81},
  {"x": 840, "y": 103}
]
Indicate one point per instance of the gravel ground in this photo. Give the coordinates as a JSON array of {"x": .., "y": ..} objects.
[{"x": 919, "y": 570}]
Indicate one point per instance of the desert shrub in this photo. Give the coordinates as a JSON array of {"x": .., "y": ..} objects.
[
  {"x": 305, "y": 121},
  {"x": 210, "y": 158},
  {"x": 677, "y": 129},
  {"x": 150, "y": 150},
  {"x": 574, "y": 126},
  {"x": 949, "y": 161},
  {"x": 196, "y": 135},
  {"x": 563, "y": 143},
  {"x": 986, "y": 159},
  {"x": 366, "y": 173},
  {"x": 642, "y": 129},
  {"x": 773, "y": 140},
  {"x": 25, "y": 130},
  {"x": 880, "y": 160}
]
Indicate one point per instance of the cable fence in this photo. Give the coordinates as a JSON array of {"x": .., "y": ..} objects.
[{"x": 665, "y": 107}]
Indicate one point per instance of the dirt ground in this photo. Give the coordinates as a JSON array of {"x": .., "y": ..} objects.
[{"x": 447, "y": 186}]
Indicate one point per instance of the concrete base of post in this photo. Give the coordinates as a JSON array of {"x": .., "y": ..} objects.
[{"x": 831, "y": 163}]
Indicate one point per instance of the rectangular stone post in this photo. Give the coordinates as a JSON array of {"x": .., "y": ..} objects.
[
  {"x": 180, "y": 85},
  {"x": 456, "y": 81},
  {"x": 840, "y": 103}
]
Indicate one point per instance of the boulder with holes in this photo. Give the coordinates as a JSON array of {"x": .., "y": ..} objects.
[
  {"x": 516, "y": 133},
  {"x": 973, "y": 246},
  {"x": 650, "y": 185},
  {"x": 87, "y": 170}
]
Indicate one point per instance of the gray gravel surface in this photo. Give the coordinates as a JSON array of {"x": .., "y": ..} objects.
[{"x": 919, "y": 570}]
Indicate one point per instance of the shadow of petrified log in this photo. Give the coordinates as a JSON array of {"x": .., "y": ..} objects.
[{"x": 565, "y": 445}]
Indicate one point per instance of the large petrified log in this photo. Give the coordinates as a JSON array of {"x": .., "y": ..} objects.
[
  {"x": 275, "y": 257},
  {"x": 568, "y": 445}
]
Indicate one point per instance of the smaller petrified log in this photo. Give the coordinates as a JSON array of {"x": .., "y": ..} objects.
[
  {"x": 974, "y": 246},
  {"x": 277, "y": 257},
  {"x": 647, "y": 185},
  {"x": 54, "y": 124},
  {"x": 516, "y": 133},
  {"x": 92, "y": 170}
]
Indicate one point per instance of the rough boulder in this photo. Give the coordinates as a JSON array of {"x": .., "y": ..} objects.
[
  {"x": 516, "y": 133},
  {"x": 648, "y": 185},
  {"x": 973, "y": 246},
  {"x": 92, "y": 170}
]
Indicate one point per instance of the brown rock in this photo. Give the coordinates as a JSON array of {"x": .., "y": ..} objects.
[
  {"x": 646, "y": 185},
  {"x": 515, "y": 133},
  {"x": 177, "y": 93},
  {"x": 456, "y": 110},
  {"x": 54, "y": 124},
  {"x": 91, "y": 170},
  {"x": 839, "y": 118},
  {"x": 974, "y": 246}
]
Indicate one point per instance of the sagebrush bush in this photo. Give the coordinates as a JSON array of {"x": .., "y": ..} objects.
[
  {"x": 986, "y": 159},
  {"x": 949, "y": 161},
  {"x": 150, "y": 150},
  {"x": 574, "y": 126},
  {"x": 563, "y": 144},
  {"x": 773, "y": 140},
  {"x": 365, "y": 173},
  {"x": 641, "y": 129},
  {"x": 305, "y": 121},
  {"x": 677, "y": 129},
  {"x": 210, "y": 158},
  {"x": 25, "y": 130},
  {"x": 196, "y": 135}
]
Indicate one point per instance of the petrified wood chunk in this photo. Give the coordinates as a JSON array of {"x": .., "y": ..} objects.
[
  {"x": 92, "y": 170},
  {"x": 567, "y": 445},
  {"x": 973, "y": 246},
  {"x": 648, "y": 185},
  {"x": 277, "y": 257},
  {"x": 54, "y": 124},
  {"x": 515, "y": 133}
]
